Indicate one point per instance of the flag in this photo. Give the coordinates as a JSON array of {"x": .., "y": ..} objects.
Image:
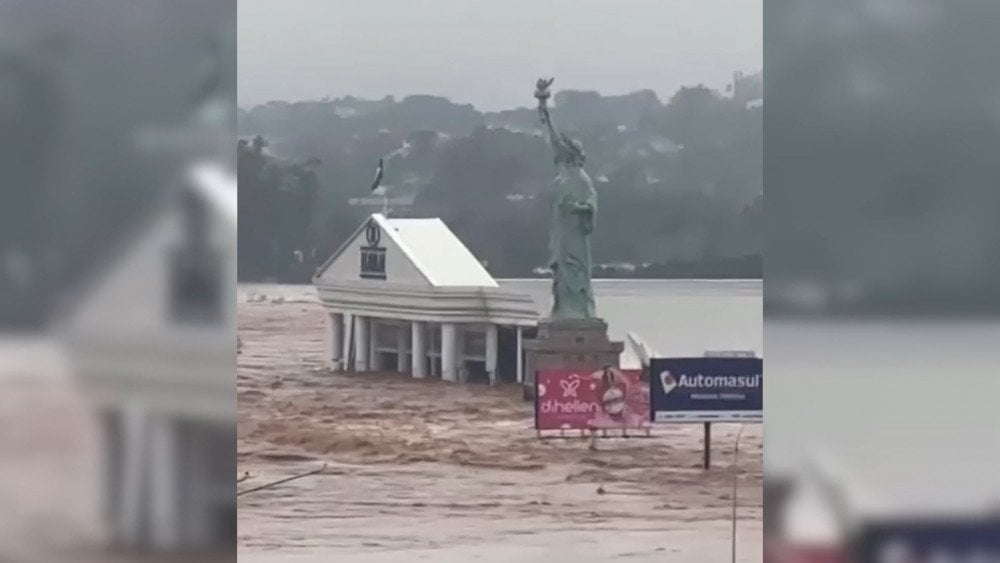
[{"x": 378, "y": 176}]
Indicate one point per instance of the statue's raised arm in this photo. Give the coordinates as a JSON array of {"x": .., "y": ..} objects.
[{"x": 542, "y": 94}]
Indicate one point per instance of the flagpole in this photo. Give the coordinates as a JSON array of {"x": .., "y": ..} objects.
[{"x": 377, "y": 184}]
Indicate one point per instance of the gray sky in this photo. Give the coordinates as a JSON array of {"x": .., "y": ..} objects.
[{"x": 489, "y": 52}]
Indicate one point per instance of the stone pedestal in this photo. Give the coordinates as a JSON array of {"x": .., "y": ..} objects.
[{"x": 569, "y": 344}]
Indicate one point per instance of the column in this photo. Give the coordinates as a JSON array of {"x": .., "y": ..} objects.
[
  {"x": 435, "y": 361},
  {"x": 460, "y": 359},
  {"x": 127, "y": 527},
  {"x": 165, "y": 484},
  {"x": 374, "y": 358},
  {"x": 334, "y": 341},
  {"x": 449, "y": 356},
  {"x": 361, "y": 349},
  {"x": 520, "y": 357},
  {"x": 197, "y": 448},
  {"x": 418, "y": 350},
  {"x": 491, "y": 353},
  {"x": 348, "y": 336},
  {"x": 111, "y": 463},
  {"x": 401, "y": 348}
]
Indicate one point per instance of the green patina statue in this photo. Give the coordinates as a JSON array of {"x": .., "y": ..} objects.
[{"x": 573, "y": 213}]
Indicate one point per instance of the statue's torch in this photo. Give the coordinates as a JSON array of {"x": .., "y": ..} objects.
[{"x": 542, "y": 90}]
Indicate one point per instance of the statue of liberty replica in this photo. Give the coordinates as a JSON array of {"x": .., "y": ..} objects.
[
  {"x": 573, "y": 214},
  {"x": 573, "y": 337}
]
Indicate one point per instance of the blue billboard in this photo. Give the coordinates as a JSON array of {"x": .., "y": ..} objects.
[
  {"x": 928, "y": 539},
  {"x": 706, "y": 389}
]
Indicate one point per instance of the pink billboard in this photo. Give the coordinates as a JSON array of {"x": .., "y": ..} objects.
[{"x": 604, "y": 399}]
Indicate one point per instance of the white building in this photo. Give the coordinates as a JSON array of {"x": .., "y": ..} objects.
[
  {"x": 406, "y": 295},
  {"x": 153, "y": 345}
]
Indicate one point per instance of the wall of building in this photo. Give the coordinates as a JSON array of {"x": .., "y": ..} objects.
[{"x": 398, "y": 267}]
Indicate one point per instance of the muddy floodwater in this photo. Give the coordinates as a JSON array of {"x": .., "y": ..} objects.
[{"x": 425, "y": 470}]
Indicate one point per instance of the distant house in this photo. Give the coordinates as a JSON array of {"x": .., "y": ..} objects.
[
  {"x": 394, "y": 202},
  {"x": 747, "y": 88},
  {"x": 153, "y": 346},
  {"x": 406, "y": 295},
  {"x": 617, "y": 267}
]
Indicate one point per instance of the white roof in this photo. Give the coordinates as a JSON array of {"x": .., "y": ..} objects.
[
  {"x": 217, "y": 187},
  {"x": 430, "y": 247},
  {"x": 437, "y": 252}
]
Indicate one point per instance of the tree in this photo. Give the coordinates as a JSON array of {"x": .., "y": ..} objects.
[
  {"x": 277, "y": 237},
  {"x": 678, "y": 183}
]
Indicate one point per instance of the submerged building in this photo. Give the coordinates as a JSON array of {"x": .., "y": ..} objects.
[{"x": 406, "y": 295}]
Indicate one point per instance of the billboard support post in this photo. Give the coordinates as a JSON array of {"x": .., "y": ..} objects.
[{"x": 707, "y": 457}]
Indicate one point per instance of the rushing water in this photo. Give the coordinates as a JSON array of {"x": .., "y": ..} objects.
[
  {"x": 406, "y": 455},
  {"x": 675, "y": 317}
]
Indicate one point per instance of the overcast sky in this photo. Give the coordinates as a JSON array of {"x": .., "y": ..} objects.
[{"x": 489, "y": 52}]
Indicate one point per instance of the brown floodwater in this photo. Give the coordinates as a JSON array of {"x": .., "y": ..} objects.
[{"x": 446, "y": 472}]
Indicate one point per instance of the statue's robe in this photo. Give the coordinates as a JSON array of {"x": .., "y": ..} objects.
[{"x": 574, "y": 212}]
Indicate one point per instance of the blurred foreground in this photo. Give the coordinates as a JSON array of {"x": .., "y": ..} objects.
[
  {"x": 882, "y": 432},
  {"x": 882, "y": 280},
  {"x": 117, "y": 245}
]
